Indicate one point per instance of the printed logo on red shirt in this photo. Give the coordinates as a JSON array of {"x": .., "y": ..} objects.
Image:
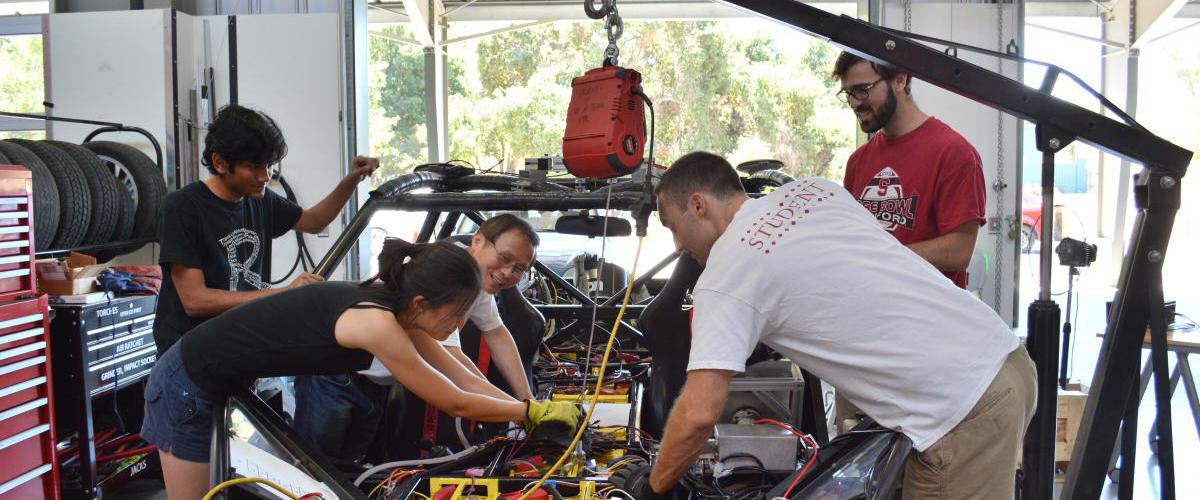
[
  {"x": 884, "y": 197},
  {"x": 778, "y": 219}
]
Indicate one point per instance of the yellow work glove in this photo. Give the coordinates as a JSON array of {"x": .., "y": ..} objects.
[{"x": 546, "y": 412}]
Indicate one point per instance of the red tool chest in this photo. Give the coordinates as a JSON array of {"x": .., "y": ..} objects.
[
  {"x": 16, "y": 233},
  {"x": 28, "y": 467},
  {"x": 28, "y": 463}
]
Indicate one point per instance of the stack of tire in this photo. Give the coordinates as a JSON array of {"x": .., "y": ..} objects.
[{"x": 92, "y": 194}]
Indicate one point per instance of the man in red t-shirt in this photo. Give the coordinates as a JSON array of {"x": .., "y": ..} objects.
[{"x": 921, "y": 179}]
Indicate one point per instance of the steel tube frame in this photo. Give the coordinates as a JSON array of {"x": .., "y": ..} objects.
[
  {"x": 1138, "y": 300},
  {"x": 278, "y": 434},
  {"x": 976, "y": 83}
]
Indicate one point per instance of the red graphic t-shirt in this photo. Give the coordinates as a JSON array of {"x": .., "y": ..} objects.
[{"x": 920, "y": 185}]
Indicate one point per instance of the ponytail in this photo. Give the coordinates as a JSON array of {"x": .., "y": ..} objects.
[
  {"x": 442, "y": 272},
  {"x": 392, "y": 259}
]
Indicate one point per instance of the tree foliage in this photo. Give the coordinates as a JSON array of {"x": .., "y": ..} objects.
[
  {"x": 21, "y": 87},
  {"x": 739, "y": 88}
]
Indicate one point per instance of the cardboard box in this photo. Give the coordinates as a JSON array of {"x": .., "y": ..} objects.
[
  {"x": 1070, "y": 412},
  {"x": 74, "y": 275}
]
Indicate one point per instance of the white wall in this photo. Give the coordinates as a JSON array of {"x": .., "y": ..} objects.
[
  {"x": 116, "y": 67},
  {"x": 111, "y": 66},
  {"x": 290, "y": 67}
]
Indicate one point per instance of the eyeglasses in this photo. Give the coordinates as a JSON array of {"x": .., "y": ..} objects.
[
  {"x": 510, "y": 263},
  {"x": 858, "y": 92}
]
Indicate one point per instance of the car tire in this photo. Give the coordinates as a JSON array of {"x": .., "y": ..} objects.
[
  {"x": 45, "y": 193},
  {"x": 140, "y": 177},
  {"x": 106, "y": 207},
  {"x": 75, "y": 213},
  {"x": 75, "y": 202}
]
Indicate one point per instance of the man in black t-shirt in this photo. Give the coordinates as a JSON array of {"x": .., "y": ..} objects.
[{"x": 215, "y": 235}]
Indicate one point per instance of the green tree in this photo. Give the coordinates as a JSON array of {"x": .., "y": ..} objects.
[
  {"x": 22, "y": 86},
  {"x": 733, "y": 87},
  {"x": 397, "y": 101}
]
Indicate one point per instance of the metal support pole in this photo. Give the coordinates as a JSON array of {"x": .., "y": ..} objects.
[
  {"x": 1065, "y": 347},
  {"x": 1162, "y": 384},
  {"x": 1042, "y": 344},
  {"x": 1128, "y": 446},
  {"x": 1158, "y": 197},
  {"x": 427, "y": 227},
  {"x": 1043, "y": 341},
  {"x": 346, "y": 240}
]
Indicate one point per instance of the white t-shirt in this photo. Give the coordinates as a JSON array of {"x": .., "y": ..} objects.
[
  {"x": 809, "y": 272},
  {"x": 483, "y": 314}
]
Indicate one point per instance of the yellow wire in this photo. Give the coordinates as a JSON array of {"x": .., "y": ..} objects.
[
  {"x": 599, "y": 379},
  {"x": 380, "y": 485},
  {"x": 243, "y": 480},
  {"x": 385, "y": 481}
]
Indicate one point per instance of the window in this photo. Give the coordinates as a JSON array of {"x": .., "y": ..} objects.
[
  {"x": 21, "y": 85},
  {"x": 743, "y": 88},
  {"x": 396, "y": 76}
]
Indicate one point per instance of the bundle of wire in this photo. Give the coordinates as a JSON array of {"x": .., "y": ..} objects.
[
  {"x": 242, "y": 480},
  {"x": 599, "y": 379},
  {"x": 807, "y": 440}
]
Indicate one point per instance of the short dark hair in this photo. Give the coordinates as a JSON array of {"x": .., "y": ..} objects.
[
  {"x": 845, "y": 60},
  {"x": 699, "y": 171},
  {"x": 442, "y": 272},
  {"x": 242, "y": 134},
  {"x": 503, "y": 223}
]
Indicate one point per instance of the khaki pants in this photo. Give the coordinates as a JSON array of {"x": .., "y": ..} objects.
[{"x": 977, "y": 459}]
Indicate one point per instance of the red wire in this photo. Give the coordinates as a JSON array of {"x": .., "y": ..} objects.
[
  {"x": 125, "y": 454},
  {"x": 803, "y": 471},
  {"x": 119, "y": 441},
  {"x": 98, "y": 438}
]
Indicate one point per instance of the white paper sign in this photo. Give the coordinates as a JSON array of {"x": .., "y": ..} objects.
[{"x": 249, "y": 461}]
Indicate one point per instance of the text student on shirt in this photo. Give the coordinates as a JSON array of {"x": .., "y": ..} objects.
[{"x": 808, "y": 272}]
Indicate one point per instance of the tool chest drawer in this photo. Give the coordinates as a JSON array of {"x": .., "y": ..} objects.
[
  {"x": 16, "y": 233},
  {"x": 24, "y": 354},
  {"x": 27, "y": 458}
]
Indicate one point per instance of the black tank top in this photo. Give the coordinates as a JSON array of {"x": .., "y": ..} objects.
[{"x": 289, "y": 333}]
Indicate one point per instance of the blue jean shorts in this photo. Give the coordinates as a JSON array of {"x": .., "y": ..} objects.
[{"x": 178, "y": 414}]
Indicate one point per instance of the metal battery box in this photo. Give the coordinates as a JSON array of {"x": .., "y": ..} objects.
[{"x": 775, "y": 447}]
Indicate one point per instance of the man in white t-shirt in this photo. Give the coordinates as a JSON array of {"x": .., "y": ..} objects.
[
  {"x": 339, "y": 414},
  {"x": 809, "y": 272}
]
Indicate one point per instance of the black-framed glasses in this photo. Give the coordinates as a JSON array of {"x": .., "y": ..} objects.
[{"x": 858, "y": 92}]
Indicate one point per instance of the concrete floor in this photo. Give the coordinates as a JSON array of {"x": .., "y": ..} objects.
[{"x": 142, "y": 489}]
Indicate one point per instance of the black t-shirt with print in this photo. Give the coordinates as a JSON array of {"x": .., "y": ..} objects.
[{"x": 229, "y": 241}]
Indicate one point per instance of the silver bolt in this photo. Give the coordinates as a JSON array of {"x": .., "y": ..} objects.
[
  {"x": 1054, "y": 143},
  {"x": 1155, "y": 256},
  {"x": 1167, "y": 182},
  {"x": 890, "y": 44}
]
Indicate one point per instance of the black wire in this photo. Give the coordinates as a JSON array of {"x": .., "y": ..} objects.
[
  {"x": 493, "y": 167},
  {"x": 301, "y": 247},
  {"x": 743, "y": 455}
]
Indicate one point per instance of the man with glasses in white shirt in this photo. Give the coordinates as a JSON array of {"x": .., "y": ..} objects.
[{"x": 340, "y": 414}]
